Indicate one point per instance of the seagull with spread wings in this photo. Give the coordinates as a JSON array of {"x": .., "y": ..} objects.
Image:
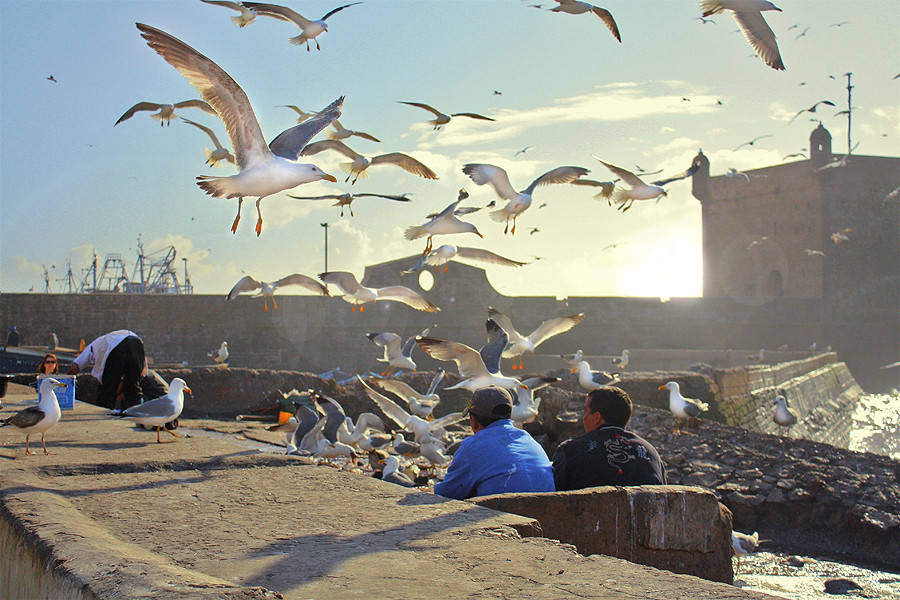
[
  {"x": 341, "y": 133},
  {"x": 267, "y": 290},
  {"x": 419, "y": 404},
  {"x": 213, "y": 157},
  {"x": 264, "y": 169},
  {"x": 519, "y": 344},
  {"x": 309, "y": 30},
  {"x": 358, "y": 168},
  {"x": 444, "y": 254},
  {"x": 440, "y": 118},
  {"x": 576, "y": 7},
  {"x": 357, "y": 295},
  {"x": 242, "y": 20},
  {"x": 638, "y": 190},
  {"x": 348, "y": 198},
  {"x": 444, "y": 223},
  {"x": 397, "y": 355},
  {"x": 811, "y": 109},
  {"x": 748, "y": 14},
  {"x": 517, "y": 202},
  {"x": 753, "y": 141},
  {"x": 421, "y": 428},
  {"x": 166, "y": 111}
]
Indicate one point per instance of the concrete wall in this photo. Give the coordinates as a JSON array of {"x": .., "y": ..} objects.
[
  {"x": 676, "y": 528},
  {"x": 318, "y": 334}
]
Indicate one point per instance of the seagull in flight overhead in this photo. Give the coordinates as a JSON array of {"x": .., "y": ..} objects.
[
  {"x": 606, "y": 188},
  {"x": 358, "y": 168},
  {"x": 267, "y": 290},
  {"x": 442, "y": 119},
  {"x": 575, "y": 7},
  {"x": 811, "y": 109},
  {"x": 348, "y": 198},
  {"x": 166, "y": 111},
  {"x": 519, "y": 344},
  {"x": 264, "y": 169},
  {"x": 242, "y": 20},
  {"x": 213, "y": 157},
  {"x": 302, "y": 115},
  {"x": 341, "y": 133},
  {"x": 753, "y": 141},
  {"x": 638, "y": 189},
  {"x": 518, "y": 202},
  {"x": 397, "y": 354},
  {"x": 444, "y": 254},
  {"x": 356, "y": 294},
  {"x": 748, "y": 14},
  {"x": 444, "y": 223},
  {"x": 310, "y": 30}
]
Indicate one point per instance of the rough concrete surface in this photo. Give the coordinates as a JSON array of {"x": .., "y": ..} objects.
[{"x": 116, "y": 515}]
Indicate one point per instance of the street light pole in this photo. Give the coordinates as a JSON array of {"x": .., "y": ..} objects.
[{"x": 326, "y": 226}]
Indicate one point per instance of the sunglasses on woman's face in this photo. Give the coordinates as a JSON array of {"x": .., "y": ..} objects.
[{"x": 49, "y": 361}]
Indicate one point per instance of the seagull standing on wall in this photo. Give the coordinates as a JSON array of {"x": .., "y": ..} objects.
[{"x": 681, "y": 407}]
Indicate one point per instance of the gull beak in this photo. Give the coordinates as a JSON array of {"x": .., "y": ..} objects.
[
  {"x": 328, "y": 177},
  {"x": 188, "y": 390},
  {"x": 573, "y": 370},
  {"x": 59, "y": 385},
  {"x": 662, "y": 387}
]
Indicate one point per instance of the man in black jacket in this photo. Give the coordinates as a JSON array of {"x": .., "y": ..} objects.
[{"x": 607, "y": 454}]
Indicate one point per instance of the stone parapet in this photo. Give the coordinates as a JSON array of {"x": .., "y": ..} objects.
[{"x": 677, "y": 528}]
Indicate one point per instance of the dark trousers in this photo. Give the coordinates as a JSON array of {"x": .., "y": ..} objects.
[{"x": 123, "y": 365}]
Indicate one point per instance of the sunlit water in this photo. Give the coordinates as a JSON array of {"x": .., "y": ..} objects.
[{"x": 876, "y": 425}]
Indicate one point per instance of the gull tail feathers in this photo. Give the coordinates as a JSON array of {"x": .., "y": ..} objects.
[
  {"x": 298, "y": 40},
  {"x": 239, "y": 21},
  {"x": 331, "y": 135},
  {"x": 414, "y": 232},
  {"x": 210, "y": 160},
  {"x": 218, "y": 187},
  {"x": 619, "y": 196},
  {"x": 501, "y": 216}
]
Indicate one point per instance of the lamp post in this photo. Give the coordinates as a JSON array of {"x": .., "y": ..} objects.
[{"x": 326, "y": 226}]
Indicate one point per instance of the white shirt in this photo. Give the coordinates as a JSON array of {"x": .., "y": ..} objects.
[{"x": 99, "y": 349}]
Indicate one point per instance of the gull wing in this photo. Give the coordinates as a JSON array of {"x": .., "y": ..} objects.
[
  {"x": 627, "y": 176},
  {"x": 684, "y": 175},
  {"x": 400, "y": 388},
  {"x": 552, "y": 327},
  {"x": 310, "y": 442},
  {"x": 306, "y": 420},
  {"x": 197, "y": 104},
  {"x": 407, "y": 296},
  {"x": 607, "y": 18},
  {"x": 305, "y": 281},
  {"x": 387, "y": 406},
  {"x": 279, "y": 12},
  {"x": 760, "y": 36},
  {"x": 244, "y": 284},
  {"x": 206, "y": 129},
  {"x": 435, "y": 382},
  {"x": 334, "y": 415},
  {"x": 498, "y": 340},
  {"x": 336, "y": 145},
  {"x": 445, "y": 420},
  {"x": 366, "y": 421},
  {"x": 28, "y": 417},
  {"x": 405, "y": 162},
  {"x": 430, "y": 109},
  {"x": 473, "y": 116},
  {"x": 338, "y": 9},
  {"x": 486, "y": 256},
  {"x": 468, "y": 361},
  {"x": 505, "y": 323},
  {"x": 557, "y": 175},
  {"x": 136, "y": 108},
  {"x": 387, "y": 340},
  {"x": 402, "y": 198},
  {"x": 365, "y": 136},
  {"x": 345, "y": 281},
  {"x": 416, "y": 267},
  {"x": 158, "y": 408},
  {"x": 493, "y": 176},
  {"x": 291, "y": 142},
  {"x": 409, "y": 344},
  {"x": 325, "y": 197},
  {"x": 222, "y": 93},
  {"x": 535, "y": 383}
]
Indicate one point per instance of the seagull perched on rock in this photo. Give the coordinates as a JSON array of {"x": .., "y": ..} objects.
[
  {"x": 242, "y": 20},
  {"x": 519, "y": 344},
  {"x": 348, "y": 198},
  {"x": 575, "y": 7},
  {"x": 310, "y": 30},
  {"x": 748, "y": 14},
  {"x": 356, "y": 294},
  {"x": 264, "y": 169},
  {"x": 220, "y": 355},
  {"x": 444, "y": 254},
  {"x": 442, "y": 119},
  {"x": 574, "y": 358},
  {"x": 518, "y": 202},
  {"x": 783, "y": 416},
  {"x": 444, "y": 223},
  {"x": 478, "y": 368},
  {"x": 40, "y": 418},
  {"x": 267, "y": 290},
  {"x": 219, "y": 153},
  {"x": 591, "y": 380},
  {"x": 681, "y": 407},
  {"x": 359, "y": 167},
  {"x": 166, "y": 111},
  {"x": 743, "y": 544},
  {"x": 158, "y": 412},
  {"x": 421, "y": 405},
  {"x": 621, "y": 361}
]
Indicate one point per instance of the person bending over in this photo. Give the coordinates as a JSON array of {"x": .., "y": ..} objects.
[{"x": 119, "y": 360}]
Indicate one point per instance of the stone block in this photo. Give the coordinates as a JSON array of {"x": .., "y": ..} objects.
[{"x": 677, "y": 528}]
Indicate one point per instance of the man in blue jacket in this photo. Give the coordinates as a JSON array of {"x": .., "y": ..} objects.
[{"x": 498, "y": 457}]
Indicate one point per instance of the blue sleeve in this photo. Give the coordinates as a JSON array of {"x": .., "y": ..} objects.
[{"x": 459, "y": 483}]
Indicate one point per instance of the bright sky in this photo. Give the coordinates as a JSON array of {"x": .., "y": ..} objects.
[{"x": 71, "y": 183}]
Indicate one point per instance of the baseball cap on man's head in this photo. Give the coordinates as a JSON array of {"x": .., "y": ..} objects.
[{"x": 490, "y": 402}]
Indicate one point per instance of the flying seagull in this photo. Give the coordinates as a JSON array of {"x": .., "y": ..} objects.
[
  {"x": 341, "y": 133},
  {"x": 356, "y": 294},
  {"x": 518, "y": 202},
  {"x": 419, "y": 404},
  {"x": 302, "y": 115},
  {"x": 606, "y": 188},
  {"x": 358, "y": 168},
  {"x": 213, "y": 157},
  {"x": 242, "y": 20},
  {"x": 397, "y": 355},
  {"x": 348, "y": 198},
  {"x": 753, "y": 141},
  {"x": 574, "y": 7},
  {"x": 519, "y": 344},
  {"x": 748, "y": 14},
  {"x": 811, "y": 109},
  {"x": 40, "y": 418},
  {"x": 638, "y": 190},
  {"x": 166, "y": 111},
  {"x": 267, "y": 290},
  {"x": 444, "y": 254},
  {"x": 444, "y": 223},
  {"x": 309, "y": 30},
  {"x": 264, "y": 169},
  {"x": 442, "y": 119}
]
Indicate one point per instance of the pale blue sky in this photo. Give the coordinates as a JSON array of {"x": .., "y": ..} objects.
[{"x": 71, "y": 183}]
